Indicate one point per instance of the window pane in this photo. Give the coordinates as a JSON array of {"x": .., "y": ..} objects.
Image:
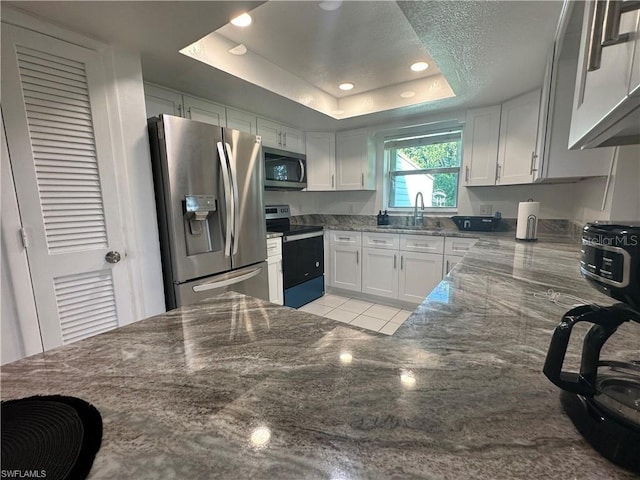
[
  {"x": 438, "y": 190},
  {"x": 438, "y": 155}
]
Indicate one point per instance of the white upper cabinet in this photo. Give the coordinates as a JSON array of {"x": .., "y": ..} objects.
[
  {"x": 355, "y": 166},
  {"x": 518, "y": 135},
  {"x": 243, "y": 121},
  {"x": 160, "y": 100},
  {"x": 204, "y": 111},
  {"x": 555, "y": 160},
  {"x": 321, "y": 161},
  {"x": 280, "y": 136},
  {"x": 480, "y": 148},
  {"x": 606, "y": 105}
]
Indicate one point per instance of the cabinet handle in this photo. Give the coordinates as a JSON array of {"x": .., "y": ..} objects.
[
  {"x": 605, "y": 28},
  {"x": 284, "y": 139},
  {"x": 179, "y": 110},
  {"x": 401, "y": 261},
  {"x": 346, "y": 239},
  {"x": 280, "y": 138},
  {"x": 357, "y": 257},
  {"x": 466, "y": 174},
  {"x": 189, "y": 112},
  {"x": 394, "y": 261},
  {"x": 533, "y": 162},
  {"x": 362, "y": 181},
  {"x": 447, "y": 268},
  {"x": 498, "y": 166},
  {"x": 612, "y": 14},
  {"x": 332, "y": 179}
]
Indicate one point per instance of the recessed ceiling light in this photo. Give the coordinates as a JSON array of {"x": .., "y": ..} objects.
[
  {"x": 330, "y": 5},
  {"x": 408, "y": 94},
  {"x": 243, "y": 20},
  {"x": 346, "y": 86},
  {"x": 419, "y": 66},
  {"x": 239, "y": 49}
]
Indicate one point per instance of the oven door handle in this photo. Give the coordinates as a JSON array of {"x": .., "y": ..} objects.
[{"x": 301, "y": 236}]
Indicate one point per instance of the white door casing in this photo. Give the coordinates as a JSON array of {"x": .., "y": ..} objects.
[{"x": 54, "y": 106}]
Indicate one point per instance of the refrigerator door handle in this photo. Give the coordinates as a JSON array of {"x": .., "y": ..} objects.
[
  {"x": 227, "y": 196},
  {"x": 203, "y": 287},
  {"x": 234, "y": 187}
]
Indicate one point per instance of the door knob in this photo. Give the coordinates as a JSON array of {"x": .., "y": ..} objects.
[{"x": 113, "y": 257}]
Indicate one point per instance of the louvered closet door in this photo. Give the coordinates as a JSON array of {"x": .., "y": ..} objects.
[{"x": 54, "y": 107}]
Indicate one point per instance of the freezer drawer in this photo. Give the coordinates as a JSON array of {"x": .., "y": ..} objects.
[{"x": 252, "y": 280}]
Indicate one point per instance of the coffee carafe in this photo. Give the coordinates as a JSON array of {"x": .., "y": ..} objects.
[{"x": 603, "y": 398}]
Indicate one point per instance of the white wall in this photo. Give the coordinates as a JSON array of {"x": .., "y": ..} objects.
[{"x": 622, "y": 202}]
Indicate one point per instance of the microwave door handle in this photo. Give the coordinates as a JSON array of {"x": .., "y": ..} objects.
[
  {"x": 227, "y": 196},
  {"x": 234, "y": 187},
  {"x": 301, "y": 169}
]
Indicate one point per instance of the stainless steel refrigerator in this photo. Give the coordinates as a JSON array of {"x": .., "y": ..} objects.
[{"x": 209, "y": 197}]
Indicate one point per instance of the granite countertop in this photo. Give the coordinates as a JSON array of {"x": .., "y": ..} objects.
[{"x": 241, "y": 388}]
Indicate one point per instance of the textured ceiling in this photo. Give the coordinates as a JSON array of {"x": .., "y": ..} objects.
[{"x": 488, "y": 51}]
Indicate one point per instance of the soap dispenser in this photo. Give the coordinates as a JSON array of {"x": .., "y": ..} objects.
[{"x": 379, "y": 218}]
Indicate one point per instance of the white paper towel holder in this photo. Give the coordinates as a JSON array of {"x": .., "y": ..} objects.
[{"x": 527, "y": 225}]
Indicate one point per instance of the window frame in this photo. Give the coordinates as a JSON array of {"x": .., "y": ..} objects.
[{"x": 390, "y": 175}]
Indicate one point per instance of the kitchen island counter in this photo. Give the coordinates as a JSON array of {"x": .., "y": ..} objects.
[{"x": 241, "y": 388}]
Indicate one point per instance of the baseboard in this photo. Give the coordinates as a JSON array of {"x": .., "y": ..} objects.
[{"x": 365, "y": 297}]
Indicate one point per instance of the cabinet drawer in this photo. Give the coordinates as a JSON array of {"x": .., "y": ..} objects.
[
  {"x": 274, "y": 246},
  {"x": 422, "y": 243},
  {"x": 341, "y": 237},
  {"x": 458, "y": 246},
  {"x": 388, "y": 241}
]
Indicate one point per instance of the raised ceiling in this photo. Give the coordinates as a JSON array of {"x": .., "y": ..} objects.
[
  {"x": 304, "y": 52},
  {"x": 489, "y": 51}
]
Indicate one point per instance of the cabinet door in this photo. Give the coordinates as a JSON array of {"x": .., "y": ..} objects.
[
  {"x": 518, "y": 137},
  {"x": 599, "y": 91},
  {"x": 270, "y": 133},
  {"x": 480, "y": 146},
  {"x": 345, "y": 267},
  {"x": 161, "y": 100},
  {"x": 380, "y": 272},
  {"x": 450, "y": 261},
  {"x": 245, "y": 122},
  {"x": 292, "y": 139},
  {"x": 276, "y": 290},
  {"x": 203, "y": 111},
  {"x": 321, "y": 161},
  {"x": 419, "y": 274},
  {"x": 351, "y": 156}
]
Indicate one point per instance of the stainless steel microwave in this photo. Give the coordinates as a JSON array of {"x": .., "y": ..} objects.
[{"x": 284, "y": 170}]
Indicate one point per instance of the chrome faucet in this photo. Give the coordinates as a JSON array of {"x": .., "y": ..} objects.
[{"x": 418, "y": 217}]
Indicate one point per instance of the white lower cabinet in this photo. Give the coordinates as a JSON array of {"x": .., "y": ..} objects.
[
  {"x": 419, "y": 274},
  {"x": 380, "y": 272},
  {"x": 450, "y": 261},
  {"x": 274, "y": 265},
  {"x": 400, "y": 266},
  {"x": 346, "y": 272}
]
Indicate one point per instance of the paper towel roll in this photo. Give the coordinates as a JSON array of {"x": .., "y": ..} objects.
[{"x": 527, "y": 226}]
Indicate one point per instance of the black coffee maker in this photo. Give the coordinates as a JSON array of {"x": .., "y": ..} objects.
[{"x": 603, "y": 399}]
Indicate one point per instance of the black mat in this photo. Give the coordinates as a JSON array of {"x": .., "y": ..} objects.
[{"x": 56, "y": 436}]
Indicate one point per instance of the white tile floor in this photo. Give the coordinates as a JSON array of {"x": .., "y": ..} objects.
[{"x": 371, "y": 316}]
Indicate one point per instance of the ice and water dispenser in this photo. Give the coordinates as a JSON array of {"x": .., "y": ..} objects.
[{"x": 203, "y": 232}]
